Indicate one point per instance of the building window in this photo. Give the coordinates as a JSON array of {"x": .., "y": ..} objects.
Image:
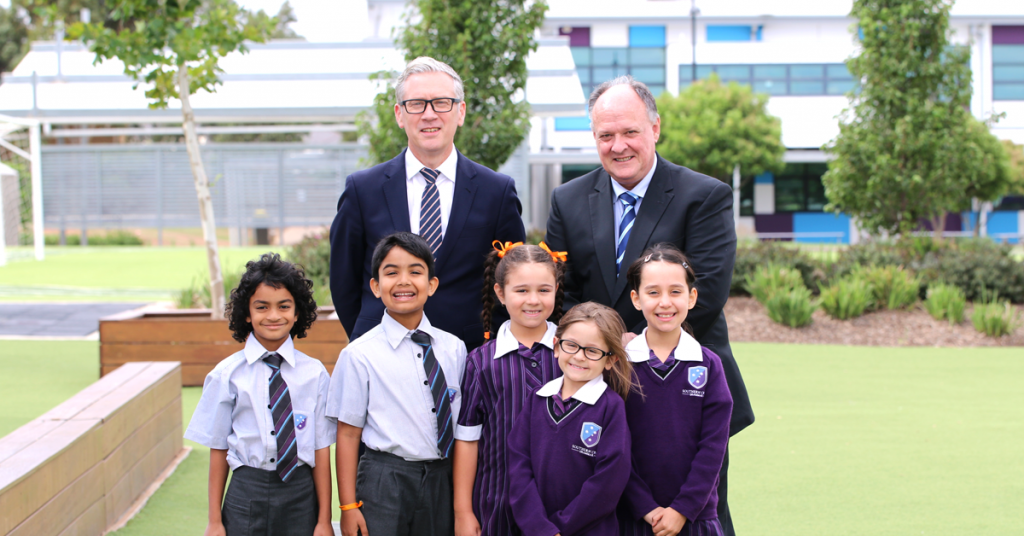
[
  {"x": 1008, "y": 62},
  {"x": 798, "y": 188},
  {"x": 747, "y": 196},
  {"x": 644, "y": 58},
  {"x": 796, "y": 79},
  {"x": 738, "y": 32},
  {"x": 571, "y": 171}
]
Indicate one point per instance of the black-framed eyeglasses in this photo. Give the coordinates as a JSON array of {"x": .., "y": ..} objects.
[
  {"x": 418, "y": 106},
  {"x": 590, "y": 352}
]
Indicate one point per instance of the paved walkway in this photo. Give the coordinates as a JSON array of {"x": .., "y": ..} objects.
[{"x": 56, "y": 319}]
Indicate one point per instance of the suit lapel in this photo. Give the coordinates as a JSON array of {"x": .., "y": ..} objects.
[
  {"x": 652, "y": 208},
  {"x": 462, "y": 203},
  {"x": 396, "y": 192},
  {"x": 602, "y": 225}
]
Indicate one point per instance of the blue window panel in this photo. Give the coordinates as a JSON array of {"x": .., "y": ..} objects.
[
  {"x": 734, "y": 72},
  {"x": 604, "y": 74},
  {"x": 838, "y": 71},
  {"x": 806, "y": 71},
  {"x": 656, "y": 89},
  {"x": 760, "y": 33},
  {"x": 584, "y": 75},
  {"x": 1003, "y": 222},
  {"x": 721, "y": 32},
  {"x": 606, "y": 57},
  {"x": 649, "y": 75},
  {"x": 822, "y": 222},
  {"x": 762, "y": 72},
  {"x": 807, "y": 88},
  {"x": 647, "y": 56},
  {"x": 647, "y": 36},
  {"x": 771, "y": 87},
  {"x": 572, "y": 123},
  {"x": 1008, "y": 73},
  {"x": 1007, "y": 53},
  {"x": 840, "y": 88},
  {"x": 1008, "y": 92},
  {"x": 765, "y": 178},
  {"x": 580, "y": 55}
]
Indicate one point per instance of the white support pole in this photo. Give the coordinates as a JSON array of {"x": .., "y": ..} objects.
[
  {"x": 3, "y": 230},
  {"x": 736, "y": 196},
  {"x": 35, "y": 147}
]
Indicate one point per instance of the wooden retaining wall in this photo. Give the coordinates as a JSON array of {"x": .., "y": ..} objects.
[
  {"x": 78, "y": 468},
  {"x": 199, "y": 343}
]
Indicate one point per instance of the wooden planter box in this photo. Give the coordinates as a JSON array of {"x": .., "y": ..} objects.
[{"x": 199, "y": 343}]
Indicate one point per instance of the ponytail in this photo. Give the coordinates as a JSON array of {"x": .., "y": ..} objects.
[{"x": 490, "y": 267}]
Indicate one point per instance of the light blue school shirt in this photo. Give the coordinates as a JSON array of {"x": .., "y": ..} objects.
[
  {"x": 234, "y": 412},
  {"x": 640, "y": 190},
  {"x": 395, "y": 414}
]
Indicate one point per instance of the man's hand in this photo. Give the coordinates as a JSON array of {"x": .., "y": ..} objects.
[
  {"x": 353, "y": 524},
  {"x": 215, "y": 529},
  {"x": 670, "y": 524},
  {"x": 654, "y": 516},
  {"x": 466, "y": 524},
  {"x": 323, "y": 529},
  {"x": 626, "y": 337}
]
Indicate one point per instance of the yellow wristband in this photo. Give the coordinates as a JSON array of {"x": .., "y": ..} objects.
[{"x": 352, "y": 506}]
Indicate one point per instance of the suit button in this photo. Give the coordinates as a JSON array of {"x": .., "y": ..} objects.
[
  {"x": 425, "y": 382},
  {"x": 268, "y": 406},
  {"x": 433, "y": 410},
  {"x": 273, "y": 432},
  {"x": 534, "y": 364},
  {"x": 272, "y": 460}
]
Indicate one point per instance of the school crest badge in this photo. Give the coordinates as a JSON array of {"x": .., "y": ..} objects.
[
  {"x": 698, "y": 377},
  {"x": 451, "y": 394},
  {"x": 590, "y": 434},
  {"x": 300, "y": 421}
]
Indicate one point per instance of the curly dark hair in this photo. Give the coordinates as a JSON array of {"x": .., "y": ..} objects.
[
  {"x": 496, "y": 270},
  {"x": 273, "y": 271}
]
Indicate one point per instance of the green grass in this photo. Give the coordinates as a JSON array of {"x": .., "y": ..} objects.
[
  {"x": 112, "y": 273},
  {"x": 847, "y": 440}
]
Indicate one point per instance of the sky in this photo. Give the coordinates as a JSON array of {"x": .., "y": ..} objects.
[{"x": 320, "y": 20}]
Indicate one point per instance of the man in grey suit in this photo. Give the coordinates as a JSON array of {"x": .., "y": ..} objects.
[{"x": 671, "y": 204}]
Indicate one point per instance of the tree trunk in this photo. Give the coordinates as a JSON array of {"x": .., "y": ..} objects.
[
  {"x": 195, "y": 160},
  {"x": 938, "y": 226}
]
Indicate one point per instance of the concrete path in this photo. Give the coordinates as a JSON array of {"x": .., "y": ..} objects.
[{"x": 56, "y": 319}]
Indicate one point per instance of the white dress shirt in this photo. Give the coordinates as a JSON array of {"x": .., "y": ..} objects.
[
  {"x": 506, "y": 342},
  {"x": 589, "y": 393},
  {"x": 234, "y": 411},
  {"x": 417, "y": 183},
  {"x": 640, "y": 190},
  {"x": 379, "y": 385},
  {"x": 687, "y": 349}
]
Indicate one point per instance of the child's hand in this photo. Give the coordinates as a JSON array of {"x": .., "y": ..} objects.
[
  {"x": 654, "y": 516},
  {"x": 627, "y": 336},
  {"x": 215, "y": 529},
  {"x": 466, "y": 524},
  {"x": 670, "y": 524},
  {"x": 323, "y": 529},
  {"x": 353, "y": 524}
]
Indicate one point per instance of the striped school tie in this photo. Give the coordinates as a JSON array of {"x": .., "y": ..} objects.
[
  {"x": 439, "y": 390},
  {"x": 628, "y": 200},
  {"x": 430, "y": 211},
  {"x": 284, "y": 421}
]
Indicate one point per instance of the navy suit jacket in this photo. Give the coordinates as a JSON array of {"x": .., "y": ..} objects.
[
  {"x": 682, "y": 207},
  {"x": 375, "y": 203}
]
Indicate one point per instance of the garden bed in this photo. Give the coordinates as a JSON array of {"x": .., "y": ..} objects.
[{"x": 748, "y": 322}]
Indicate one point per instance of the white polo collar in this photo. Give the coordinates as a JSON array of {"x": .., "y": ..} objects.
[
  {"x": 447, "y": 168},
  {"x": 506, "y": 342},
  {"x": 396, "y": 332},
  {"x": 254, "y": 350},
  {"x": 588, "y": 394},
  {"x": 640, "y": 190},
  {"x": 688, "y": 349}
]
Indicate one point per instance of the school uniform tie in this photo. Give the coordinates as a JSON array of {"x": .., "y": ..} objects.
[
  {"x": 439, "y": 391},
  {"x": 430, "y": 211},
  {"x": 628, "y": 200},
  {"x": 284, "y": 421}
]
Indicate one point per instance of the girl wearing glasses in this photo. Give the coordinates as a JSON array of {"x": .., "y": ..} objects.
[
  {"x": 680, "y": 427},
  {"x": 569, "y": 450}
]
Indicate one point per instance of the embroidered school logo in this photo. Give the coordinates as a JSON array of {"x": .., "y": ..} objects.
[
  {"x": 590, "y": 434},
  {"x": 300, "y": 421},
  {"x": 698, "y": 377},
  {"x": 451, "y": 394}
]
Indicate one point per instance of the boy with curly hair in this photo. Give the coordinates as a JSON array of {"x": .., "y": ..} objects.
[{"x": 262, "y": 413}]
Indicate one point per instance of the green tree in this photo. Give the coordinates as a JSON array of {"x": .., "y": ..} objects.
[
  {"x": 711, "y": 127},
  {"x": 13, "y": 39},
  {"x": 1015, "y": 154},
  {"x": 175, "y": 46},
  {"x": 908, "y": 149},
  {"x": 487, "y": 44}
]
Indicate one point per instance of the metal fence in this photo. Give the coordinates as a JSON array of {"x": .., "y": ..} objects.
[{"x": 254, "y": 186}]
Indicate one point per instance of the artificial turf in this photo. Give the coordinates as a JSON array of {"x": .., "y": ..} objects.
[{"x": 848, "y": 440}]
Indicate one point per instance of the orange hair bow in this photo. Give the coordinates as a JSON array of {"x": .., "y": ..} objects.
[
  {"x": 504, "y": 248},
  {"x": 555, "y": 255}
]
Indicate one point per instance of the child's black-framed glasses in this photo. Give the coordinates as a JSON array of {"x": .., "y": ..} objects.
[
  {"x": 590, "y": 352},
  {"x": 418, "y": 106}
]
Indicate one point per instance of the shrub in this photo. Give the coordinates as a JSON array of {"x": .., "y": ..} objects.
[
  {"x": 946, "y": 301},
  {"x": 995, "y": 318},
  {"x": 313, "y": 253},
  {"x": 751, "y": 257},
  {"x": 791, "y": 307},
  {"x": 112, "y": 238},
  {"x": 772, "y": 278},
  {"x": 846, "y": 298},
  {"x": 197, "y": 295},
  {"x": 892, "y": 286}
]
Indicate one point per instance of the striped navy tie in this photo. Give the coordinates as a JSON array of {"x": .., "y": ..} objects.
[
  {"x": 439, "y": 391},
  {"x": 430, "y": 211},
  {"x": 628, "y": 200},
  {"x": 284, "y": 421}
]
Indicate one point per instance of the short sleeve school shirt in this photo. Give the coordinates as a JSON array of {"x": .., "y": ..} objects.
[
  {"x": 379, "y": 385},
  {"x": 234, "y": 411}
]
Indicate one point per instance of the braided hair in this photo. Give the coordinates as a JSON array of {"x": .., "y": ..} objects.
[{"x": 497, "y": 268}]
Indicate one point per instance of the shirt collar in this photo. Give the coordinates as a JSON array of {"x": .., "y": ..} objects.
[
  {"x": 688, "y": 348},
  {"x": 254, "y": 350},
  {"x": 588, "y": 394},
  {"x": 396, "y": 332},
  {"x": 447, "y": 168},
  {"x": 505, "y": 342},
  {"x": 640, "y": 190}
]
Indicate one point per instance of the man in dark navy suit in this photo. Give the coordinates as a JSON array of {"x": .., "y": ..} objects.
[
  {"x": 430, "y": 189},
  {"x": 636, "y": 199}
]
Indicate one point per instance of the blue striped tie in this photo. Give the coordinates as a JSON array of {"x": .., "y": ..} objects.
[
  {"x": 439, "y": 391},
  {"x": 284, "y": 420},
  {"x": 628, "y": 200},
  {"x": 430, "y": 211}
]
